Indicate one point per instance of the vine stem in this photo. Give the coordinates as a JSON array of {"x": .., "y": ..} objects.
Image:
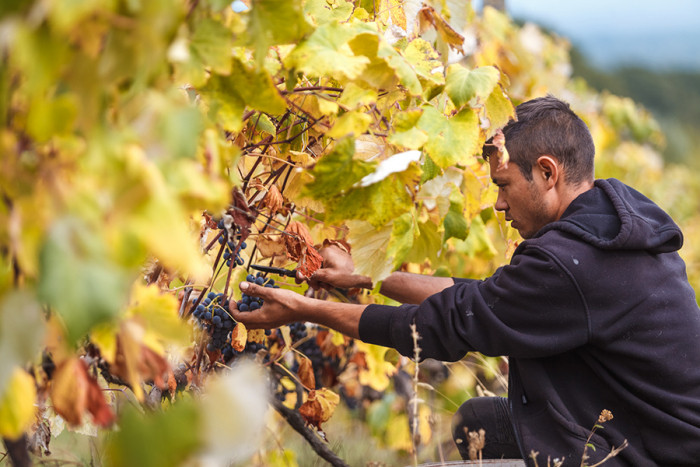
[
  {"x": 313, "y": 88},
  {"x": 17, "y": 450},
  {"x": 297, "y": 422}
]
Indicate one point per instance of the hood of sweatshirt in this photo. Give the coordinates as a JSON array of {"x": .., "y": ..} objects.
[{"x": 613, "y": 216}]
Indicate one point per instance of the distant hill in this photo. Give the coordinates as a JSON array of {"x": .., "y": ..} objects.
[
  {"x": 672, "y": 96},
  {"x": 671, "y": 50}
]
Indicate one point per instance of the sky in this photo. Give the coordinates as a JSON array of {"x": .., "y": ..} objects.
[{"x": 653, "y": 33}]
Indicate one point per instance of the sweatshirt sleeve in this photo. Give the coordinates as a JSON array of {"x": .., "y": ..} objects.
[{"x": 530, "y": 308}]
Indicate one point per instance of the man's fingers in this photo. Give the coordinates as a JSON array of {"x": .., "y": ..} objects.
[
  {"x": 300, "y": 277},
  {"x": 253, "y": 290}
]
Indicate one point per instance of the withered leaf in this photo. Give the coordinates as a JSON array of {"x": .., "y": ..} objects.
[
  {"x": 74, "y": 391},
  {"x": 306, "y": 373},
  {"x": 300, "y": 248},
  {"x": 319, "y": 407}
]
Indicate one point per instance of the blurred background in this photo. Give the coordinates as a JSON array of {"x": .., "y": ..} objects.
[{"x": 643, "y": 49}]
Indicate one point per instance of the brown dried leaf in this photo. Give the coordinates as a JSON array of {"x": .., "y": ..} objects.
[
  {"x": 306, "y": 373},
  {"x": 273, "y": 200},
  {"x": 319, "y": 407},
  {"x": 499, "y": 140},
  {"x": 74, "y": 391},
  {"x": 135, "y": 362},
  {"x": 271, "y": 245},
  {"x": 300, "y": 248},
  {"x": 243, "y": 217},
  {"x": 428, "y": 16}
]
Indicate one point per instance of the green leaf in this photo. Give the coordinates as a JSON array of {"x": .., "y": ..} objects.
[
  {"x": 327, "y": 53},
  {"x": 427, "y": 244},
  {"x": 155, "y": 438},
  {"x": 403, "y": 234},
  {"x": 354, "y": 96},
  {"x": 430, "y": 170},
  {"x": 325, "y": 11},
  {"x": 378, "y": 203},
  {"x": 78, "y": 280},
  {"x": 225, "y": 104},
  {"x": 463, "y": 85},
  {"x": 180, "y": 131},
  {"x": 211, "y": 43},
  {"x": 452, "y": 141},
  {"x": 266, "y": 125},
  {"x": 455, "y": 224},
  {"x": 256, "y": 89},
  {"x": 274, "y": 22},
  {"x": 406, "y": 133},
  {"x": 337, "y": 171},
  {"x": 478, "y": 241}
]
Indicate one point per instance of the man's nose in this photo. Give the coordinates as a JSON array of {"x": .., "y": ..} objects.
[{"x": 501, "y": 204}]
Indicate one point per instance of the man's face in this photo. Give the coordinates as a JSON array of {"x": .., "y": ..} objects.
[{"x": 522, "y": 201}]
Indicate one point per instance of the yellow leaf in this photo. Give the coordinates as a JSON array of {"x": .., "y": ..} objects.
[
  {"x": 378, "y": 370},
  {"x": 129, "y": 351},
  {"x": 17, "y": 405},
  {"x": 337, "y": 338},
  {"x": 158, "y": 312},
  {"x": 393, "y": 9},
  {"x": 104, "y": 336},
  {"x": 350, "y": 123},
  {"x": 369, "y": 249},
  {"x": 398, "y": 435},
  {"x": 256, "y": 335}
]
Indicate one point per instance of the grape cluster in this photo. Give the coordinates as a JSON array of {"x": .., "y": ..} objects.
[
  {"x": 251, "y": 348},
  {"x": 297, "y": 331},
  {"x": 232, "y": 251},
  {"x": 214, "y": 318},
  {"x": 248, "y": 303}
]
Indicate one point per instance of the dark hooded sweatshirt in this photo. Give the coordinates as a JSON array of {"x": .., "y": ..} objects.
[{"x": 595, "y": 312}]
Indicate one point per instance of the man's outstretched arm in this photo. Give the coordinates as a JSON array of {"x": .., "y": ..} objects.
[
  {"x": 285, "y": 306},
  {"x": 404, "y": 287}
]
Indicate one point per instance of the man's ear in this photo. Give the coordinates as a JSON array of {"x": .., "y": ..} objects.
[{"x": 549, "y": 169}]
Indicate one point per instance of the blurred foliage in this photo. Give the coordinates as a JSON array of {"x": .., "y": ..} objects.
[{"x": 129, "y": 129}]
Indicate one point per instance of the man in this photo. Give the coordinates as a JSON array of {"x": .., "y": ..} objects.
[{"x": 594, "y": 311}]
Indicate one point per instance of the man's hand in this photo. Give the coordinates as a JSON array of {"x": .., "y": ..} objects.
[
  {"x": 279, "y": 307},
  {"x": 282, "y": 307},
  {"x": 337, "y": 271}
]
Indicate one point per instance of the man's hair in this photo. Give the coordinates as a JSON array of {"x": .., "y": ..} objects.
[{"x": 547, "y": 125}]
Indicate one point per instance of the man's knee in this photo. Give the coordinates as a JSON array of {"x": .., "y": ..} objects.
[
  {"x": 470, "y": 417},
  {"x": 491, "y": 415}
]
